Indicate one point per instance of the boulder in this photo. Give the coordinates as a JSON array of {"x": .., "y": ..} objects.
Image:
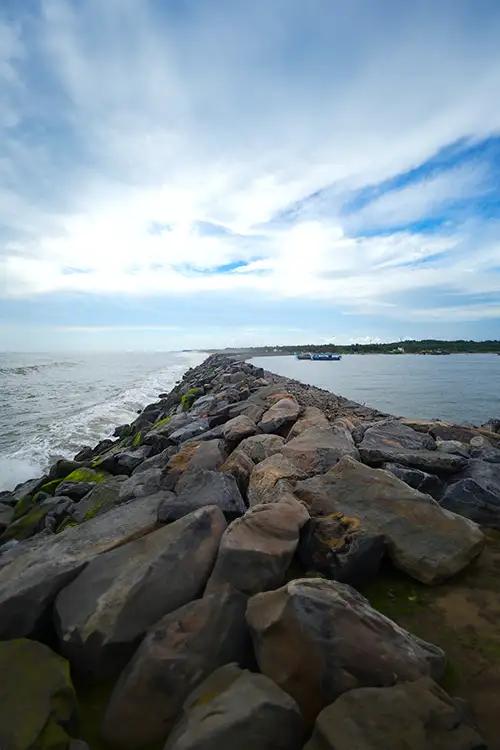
[
  {"x": 240, "y": 466},
  {"x": 59, "y": 514},
  {"x": 206, "y": 454},
  {"x": 31, "y": 578},
  {"x": 310, "y": 417},
  {"x": 77, "y": 484},
  {"x": 234, "y": 708},
  {"x": 161, "y": 430},
  {"x": 469, "y": 498},
  {"x": 424, "y": 540},
  {"x": 62, "y": 468},
  {"x": 237, "y": 429},
  {"x": 202, "y": 487},
  {"x": 260, "y": 447},
  {"x": 248, "y": 408},
  {"x": 126, "y": 461},
  {"x": 257, "y": 549},
  {"x": 317, "y": 449},
  {"x": 270, "y": 476},
  {"x": 281, "y": 416},
  {"x": 143, "y": 483},
  {"x": 101, "y": 616},
  {"x": 335, "y": 547},
  {"x": 101, "y": 498},
  {"x": 158, "y": 461},
  {"x": 6, "y": 515},
  {"x": 190, "y": 430},
  {"x": 317, "y": 639},
  {"x": 453, "y": 446},
  {"x": 37, "y": 700},
  {"x": 420, "y": 480},
  {"x": 415, "y": 715},
  {"x": 178, "y": 652},
  {"x": 395, "y": 442},
  {"x": 31, "y": 522}
]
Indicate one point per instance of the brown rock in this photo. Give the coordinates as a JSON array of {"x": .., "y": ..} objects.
[
  {"x": 240, "y": 466},
  {"x": 311, "y": 417},
  {"x": 281, "y": 416},
  {"x": 270, "y": 476},
  {"x": 317, "y": 449},
  {"x": 237, "y": 429},
  {"x": 260, "y": 447}
]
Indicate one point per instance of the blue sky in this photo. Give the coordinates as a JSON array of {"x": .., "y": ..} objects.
[{"x": 192, "y": 174}]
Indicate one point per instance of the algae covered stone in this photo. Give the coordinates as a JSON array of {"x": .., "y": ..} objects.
[{"x": 37, "y": 699}]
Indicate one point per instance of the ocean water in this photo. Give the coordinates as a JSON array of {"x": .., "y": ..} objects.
[
  {"x": 455, "y": 387},
  {"x": 53, "y": 404}
]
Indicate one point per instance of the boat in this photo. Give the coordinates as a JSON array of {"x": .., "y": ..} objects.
[
  {"x": 304, "y": 355},
  {"x": 326, "y": 357}
]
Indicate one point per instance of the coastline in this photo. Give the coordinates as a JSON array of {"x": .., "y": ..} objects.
[{"x": 228, "y": 439}]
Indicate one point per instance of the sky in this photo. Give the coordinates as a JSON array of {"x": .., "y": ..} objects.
[{"x": 186, "y": 173}]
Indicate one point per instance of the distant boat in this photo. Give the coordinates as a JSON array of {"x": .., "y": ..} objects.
[
  {"x": 304, "y": 355},
  {"x": 320, "y": 356}
]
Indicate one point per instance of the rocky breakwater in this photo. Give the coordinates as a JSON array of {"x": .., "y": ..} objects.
[{"x": 255, "y": 563}]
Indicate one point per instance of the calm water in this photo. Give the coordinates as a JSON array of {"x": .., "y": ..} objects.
[
  {"x": 51, "y": 405},
  {"x": 458, "y": 387}
]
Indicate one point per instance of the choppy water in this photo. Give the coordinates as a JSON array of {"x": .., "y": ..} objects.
[
  {"x": 456, "y": 387},
  {"x": 51, "y": 405}
]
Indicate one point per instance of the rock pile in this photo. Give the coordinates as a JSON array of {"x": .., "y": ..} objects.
[{"x": 205, "y": 567}]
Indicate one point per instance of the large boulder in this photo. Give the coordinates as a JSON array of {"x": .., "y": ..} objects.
[
  {"x": 201, "y": 487},
  {"x": 317, "y": 449},
  {"x": 472, "y": 499},
  {"x": 270, "y": 476},
  {"x": 189, "y": 431},
  {"x": 420, "y": 480},
  {"x": 206, "y": 454},
  {"x": 257, "y": 549},
  {"x": 260, "y": 447},
  {"x": 240, "y": 466},
  {"x": 101, "y": 616},
  {"x": 101, "y": 498},
  {"x": 316, "y": 639},
  {"x": 37, "y": 700},
  {"x": 310, "y": 417},
  {"x": 31, "y": 577},
  {"x": 395, "y": 442},
  {"x": 336, "y": 547},
  {"x": 424, "y": 540},
  {"x": 143, "y": 483},
  {"x": 158, "y": 461},
  {"x": 234, "y": 708},
  {"x": 31, "y": 522},
  {"x": 126, "y": 461},
  {"x": 411, "y": 715},
  {"x": 237, "y": 429},
  {"x": 178, "y": 652},
  {"x": 281, "y": 416}
]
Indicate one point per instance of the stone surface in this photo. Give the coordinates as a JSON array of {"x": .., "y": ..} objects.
[
  {"x": 30, "y": 522},
  {"x": 6, "y": 515},
  {"x": 424, "y": 540},
  {"x": 101, "y": 498},
  {"x": 33, "y": 571},
  {"x": 240, "y": 466},
  {"x": 409, "y": 716},
  {"x": 202, "y": 487},
  {"x": 453, "y": 446},
  {"x": 207, "y": 454},
  {"x": 158, "y": 461},
  {"x": 473, "y": 500},
  {"x": 317, "y": 449},
  {"x": 257, "y": 549},
  {"x": 190, "y": 430},
  {"x": 237, "y": 429},
  {"x": 126, "y": 461},
  {"x": 260, "y": 447},
  {"x": 37, "y": 700},
  {"x": 318, "y": 639},
  {"x": 103, "y": 613},
  {"x": 336, "y": 547},
  {"x": 281, "y": 416},
  {"x": 178, "y": 652},
  {"x": 395, "y": 442},
  {"x": 311, "y": 417},
  {"x": 143, "y": 483},
  {"x": 269, "y": 476},
  {"x": 234, "y": 708},
  {"x": 420, "y": 480}
]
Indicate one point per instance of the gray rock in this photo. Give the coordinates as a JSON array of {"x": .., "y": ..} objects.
[
  {"x": 202, "y": 487},
  {"x": 178, "y": 652},
  {"x": 424, "y": 540},
  {"x": 62, "y": 468},
  {"x": 234, "y": 708},
  {"x": 453, "y": 446},
  {"x": 420, "y": 480},
  {"x": 74, "y": 490},
  {"x": 191, "y": 430},
  {"x": 311, "y": 417},
  {"x": 256, "y": 550},
  {"x": 6, "y": 515},
  {"x": 260, "y": 447},
  {"x": 473, "y": 500},
  {"x": 126, "y": 461},
  {"x": 142, "y": 484},
  {"x": 101, "y": 498},
  {"x": 101, "y": 616},
  {"x": 248, "y": 408},
  {"x": 237, "y": 429},
  {"x": 418, "y": 715},
  {"x": 281, "y": 416},
  {"x": 317, "y": 449},
  {"x": 270, "y": 476},
  {"x": 335, "y": 547},
  {"x": 158, "y": 461},
  {"x": 31, "y": 578},
  {"x": 317, "y": 639},
  {"x": 62, "y": 509}
]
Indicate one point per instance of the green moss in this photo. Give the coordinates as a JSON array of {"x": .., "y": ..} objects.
[
  {"x": 22, "y": 506},
  {"x": 27, "y": 525},
  {"x": 92, "y": 512},
  {"x": 86, "y": 475},
  {"x": 137, "y": 440},
  {"x": 50, "y": 487},
  {"x": 395, "y": 595},
  {"x": 68, "y": 523},
  {"x": 189, "y": 398},
  {"x": 161, "y": 422}
]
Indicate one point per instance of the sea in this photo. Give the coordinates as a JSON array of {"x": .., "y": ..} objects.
[{"x": 53, "y": 404}]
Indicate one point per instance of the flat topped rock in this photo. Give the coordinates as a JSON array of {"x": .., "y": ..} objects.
[
  {"x": 317, "y": 449},
  {"x": 260, "y": 447},
  {"x": 280, "y": 417},
  {"x": 31, "y": 577},
  {"x": 269, "y": 476},
  {"x": 423, "y": 540}
]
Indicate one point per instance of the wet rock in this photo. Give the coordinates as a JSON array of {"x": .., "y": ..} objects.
[
  {"x": 234, "y": 708},
  {"x": 281, "y": 416},
  {"x": 256, "y": 550},
  {"x": 311, "y": 417},
  {"x": 61, "y": 511},
  {"x": 336, "y": 547},
  {"x": 419, "y": 714},
  {"x": 237, "y": 429},
  {"x": 469, "y": 498},
  {"x": 270, "y": 476},
  {"x": 126, "y": 461},
  {"x": 101, "y": 498},
  {"x": 62, "y": 468},
  {"x": 318, "y": 639},
  {"x": 207, "y": 454},
  {"x": 101, "y": 616},
  {"x": 178, "y": 652},
  {"x": 453, "y": 446},
  {"x": 423, "y": 540},
  {"x": 30, "y": 580},
  {"x": 240, "y": 466},
  {"x": 37, "y": 700},
  {"x": 317, "y": 449},
  {"x": 202, "y": 487},
  {"x": 419, "y": 480},
  {"x": 260, "y": 447}
]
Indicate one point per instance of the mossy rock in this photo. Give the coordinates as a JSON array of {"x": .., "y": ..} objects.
[
  {"x": 188, "y": 399},
  {"x": 51, "y": 487},
  {"x": 162, "y": 422},
  {"x": 86, "y": 475},
  {"x": 137, "y": 440},
  {"x": 23, "y": 506},
  {"x": 29, "y": 523},
  {"x": 67, "y": 523},
  {"x": 37, "y": 699}
]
